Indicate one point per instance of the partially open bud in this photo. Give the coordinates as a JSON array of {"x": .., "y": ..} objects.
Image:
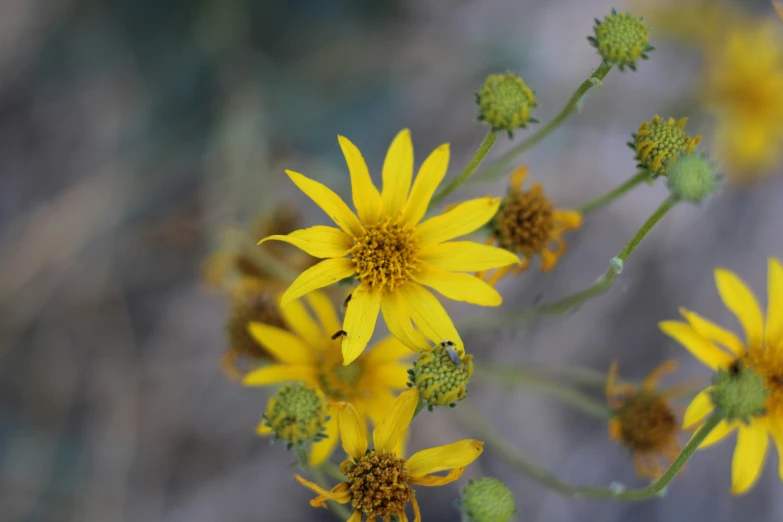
[
  {"x": 621, "y": 39},
  {"x": 487, "y": 500},
  {"x": 505, "y": 103},
  {"x": 739, "y": 393},
  {"x": 692, "y": 178},
  {"x": 659, "y": 142},
  {"x": 297, "y": 414},
  {"x": 441, "y": 375}
]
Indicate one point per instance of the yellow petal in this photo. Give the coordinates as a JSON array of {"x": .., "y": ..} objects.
[
  {"x": 718, "y": 433},
  {"x": 375, "y": 405},
  {"x": 462, "y": 219},
  {"x": 322, "y": 449},
  {"x": 366, "y": 198},
  {"x": 741, "y": 301},
  {"x": 340, "y": 493},
  {"x": 391, "y": 375},
  {"x": 360, "y": 319},
  {"x": 302, "y": 324},
  {"x": 329, "y": 202},
  {"x": 777, "y": 437},
  {"x": 459, "y": 287},
  {"x": 429, "y": 315},
  {"x": 429, "y": 177},
  {"x": 451, "y": 456},
  {"x": 699, "y": 347},
  {"x": 713, "y": 332},
  {"x": 388, "y": 350},
  {"x": 262, "y": 430},
  {"x": 324, "y": 311},
  {"x": 353, "y": 430},
  {"x": 466, "y": 256},
  {"x": 276, "y": 373},
  {"x": 416, "y": 510},
  {"x": 284, "y": 346},
  {"x": 398, "y": 320},
  {"x": 318, "y": 241},
  {"x": 395, "y": 423},
  {"x": 748, "y": 460},
  {"x": 568, "y": 218},
  {"x": 774, "y": 332},
  {"x": 397, "y": 174},
  {"x": 700, "y": 407},
  {"x": 435, "y": 480},
  {"x": 325, "y": 273},
  {"x": 356, "y": 516}
]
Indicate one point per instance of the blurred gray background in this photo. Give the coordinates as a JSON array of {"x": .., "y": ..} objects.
[{"x": 132, "y": 132}]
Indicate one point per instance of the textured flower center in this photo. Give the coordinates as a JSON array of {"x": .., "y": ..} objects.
[
  {"x": 338, "y": 381},
  {"x": 297, "y": 413},
  {"x": 621, "y": 38},
  {"x": 442, "y": 375},
  {"x": 251, "y": 308},
  {"x": 526, "y": 221},
  {"x": 385, "y": 256},
  {"x": 659, "y": 141},
  {"x": 379, "y": 485},
  {"x": 647, "y": 423},
  {"x": 767, "y": 363}
]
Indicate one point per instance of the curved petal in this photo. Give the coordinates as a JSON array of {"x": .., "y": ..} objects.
[
  {"x": 774, "y": 329},
  {"x": 429, "y": 177},
  {"x": 391, "y": 375},
  {"x": 395, "y": 423},
  {"x": 713, "y": 332},
  {"x": 398, "y": 320},
  {"x": 748, "y": 458},
  {"x": 700, "y": 407},
  {"x": 466, "y": 256},
  {"x": 340, "y": 493},
  {"x": 353, "y": 430},
  {"x": 319, "y": 241},
  {"x": 718, "y": 433},
  {"x": 321, "y": 450},
  {"x": 416, "y": 510},
  {"x": 459, "y": 287},
  {"x": 324, "y": 311},
  {"x": 740, "y": 300},
  {"x": 451, "y": 456},
  {"x": 276, "y": 373},
  {"x": 376, "y": 404},
  {"x": 397, "y": 174},
  {"x": 302, "y": 324},
  {"x": 356, "y": 516},
  {"x": 435, "y": 480},
  {"x": 388, "y": 350},
  {"x": 329, "y": 202},
  {"x": 360, "y": 319},
  {"x": 701, "y": 348},
  {"x": 323, "y": 274},
  {"x": 462, "y": 219},
  {"x": 568, "y": 218},
  {"x": 366, "y": 198},
  {"x": 283, "y": 345},
  {"x": 777, "y": 437},
  {"x": 262, "y": 429},
  {"x": 429, "y": 315}
]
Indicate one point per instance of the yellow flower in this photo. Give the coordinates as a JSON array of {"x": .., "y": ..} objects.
[
  {"x": 393, "y": 253},
  {"x": 643, "y": 420},
  {"x": 307, "y": 353},
  {"x": 379, "y": 479},
  {"x": 529, "y": 224},
  {"x": 722, "y": 350}
]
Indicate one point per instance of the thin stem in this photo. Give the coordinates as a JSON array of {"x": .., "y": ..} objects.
[
  {"x": 489, "y": 140},
  {"x": 333, "y": 471},
  {"x": 340, "y": 511},
  {"x": 499, "y": 166},
  {"x": 614, "y": 194},
  {"x": 547, "y": 479}
]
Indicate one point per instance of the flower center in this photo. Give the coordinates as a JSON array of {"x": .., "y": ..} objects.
[
  {"x": 251, "y": 307},
  {"x": 385, "y": 256},
  {"x": 338, "y": 381},
  {"x": 647, "y": 423},
  {"x": 526, "y": 221},
  {"x": 379, "y": 485},
  {"x": 767, "y": 363}
]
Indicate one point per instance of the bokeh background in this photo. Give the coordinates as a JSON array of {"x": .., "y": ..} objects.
[{"x": 133, "y": 133}]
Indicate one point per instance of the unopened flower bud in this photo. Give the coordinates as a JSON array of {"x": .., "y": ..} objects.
[
  {"x": 441, "y": 375},
  {"x": 621, "y": 39},
  {"x": 297, "y": 414},
  {"x": 659, "y": 142},
  {"x": 692, "y": 177},
  {"x": 487, "y": 500},
  {"x": 505, "y": 102}
]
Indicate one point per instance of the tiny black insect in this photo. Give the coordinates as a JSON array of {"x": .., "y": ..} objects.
[
  {"x": 347, "y": 300},
  {"x": 735, "y": 367},
  {"x": 338, "y": 334}
]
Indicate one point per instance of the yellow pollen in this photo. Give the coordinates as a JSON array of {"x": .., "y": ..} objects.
[
  {"x": 385, "y": 256},
  {"x": 647, "y": 423},
  {"x": 379, "y": 485},
  {"x": 525, "y": 221}
]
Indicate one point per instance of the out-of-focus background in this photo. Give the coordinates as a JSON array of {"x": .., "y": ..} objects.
[{"x": 134, "y": 134}]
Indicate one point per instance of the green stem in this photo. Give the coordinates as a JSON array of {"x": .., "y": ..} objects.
[
  {"x": 614, "y": 194},
  {"x": 538, "y": 473},
  {"x": 489, "y": 140},
  {"x": 340, "y": 511},
  {"x": 499, "y": 166},
  {"x": 333, "y": 471}
]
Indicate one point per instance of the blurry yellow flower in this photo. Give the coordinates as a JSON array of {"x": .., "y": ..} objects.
[
  {"x": 379, "y": 480},
  {"x": 393, "y": 253},
  {"x": 778, "y": 8},
  {"x": 529, "y": 225},
  {"x": 723, "y": 351},
  {"x": 307, "y": 353}
]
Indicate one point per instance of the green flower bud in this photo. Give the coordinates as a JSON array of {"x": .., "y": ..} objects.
[
  {"x": 487, "y": 500},
  {"x": 692, "y": 178},
  {"x": 441, "y": 375},
  {"x": 297, "y": 414},
  {"x": 659, "y": 142},
  {"x": 621, "y": 39},
  {"x": 739, "y": 392},
  {"x": 505, "y": 103}
]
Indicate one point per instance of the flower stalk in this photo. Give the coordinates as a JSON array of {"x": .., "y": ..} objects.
[{"x": 477, "y": 158}]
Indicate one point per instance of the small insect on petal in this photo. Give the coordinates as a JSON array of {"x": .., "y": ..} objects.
[{"x": 338, "y": 334}]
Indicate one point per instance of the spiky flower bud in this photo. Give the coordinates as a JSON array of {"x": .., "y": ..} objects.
[
  {"x": 441, "y": 375},
  {"x": 297, "y": 414},
  {"x": 659, "y": 142},
  {"x": 692, "y": 177},
  {"x": 621, "y": 39},
  {"x": 505, "y": 102},
  {"x": 487, "y": 500},
  {"x": 739, "y": 392}
]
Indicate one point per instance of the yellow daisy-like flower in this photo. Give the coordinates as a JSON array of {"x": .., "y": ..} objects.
[
  {"x": 393, "y": 253},
  {"x": 379, "y": 479},
  {"x": 529, "y": 224},
  {"x": 722, "y": 350},
  {"x": 307, "y": 353}
]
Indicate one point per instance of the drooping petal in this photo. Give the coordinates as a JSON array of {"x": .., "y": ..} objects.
[
  {"x": 466, "y": 256},
  {"x": 774, "y": 327},
  {"x": 321, "y": 450},
  {"x": 451, "y": 456},
  {"x": 329, "y": 202},
  {"x": 462, "y": 219},
  {"x": 395, "y": 423},
  {"x": 568, "y": 218},
  {"x": 429, "y": 177},
  {"x": 429, "y": 315},
  {"x": 740, "y": 300},
  {"x": 748, "y": 460},
  {"x": 416, "y": 510},
  {"x": 353, "y": 430},
  {"x": 397, "y": 174},
  {"x": 340, "y": 493},
  {"x": 318, "y": 241},
  {"x": 283, "y": 345},
  {"x": 276, "y": 373},
  {"x": 324, "y": 311},
  {"x": 366, "y": 198},
  {"x": 360, "y": 319},
  {"x": 435, "y": 480},
  {"x": 388, "y": 350},
  {"x": 356, "y": 516},
  {"x": 325, "y": 273},
  {"x": 777, "y": 436},
  {"x": 700, "y": 407},
  {"x": 459, "y": 287},
  {"x": 701, "y": 348},
  {"x": 302, "y": 324},
  {"x": 713, "y": 332},
  {"x": 398, "y": 320},
  {"x": 718, "y": 433}
]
